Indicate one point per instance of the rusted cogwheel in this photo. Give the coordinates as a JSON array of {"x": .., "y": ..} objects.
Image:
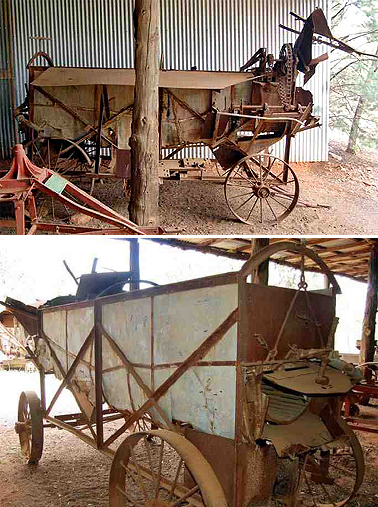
[
  {"x": 166, "y": 472},
  {"x": 256, "y": 190},
  {"x": 333, "y": 474},
  {"x": 30, "y": 426}
]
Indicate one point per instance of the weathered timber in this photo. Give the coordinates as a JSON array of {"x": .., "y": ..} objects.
[
  {"x": 261, "y": 275},
  {"x": 144, "y": 140},
  {"x": 369, "y": 322}
]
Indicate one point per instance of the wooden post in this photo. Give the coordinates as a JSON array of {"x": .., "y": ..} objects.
[
  {"x": 261, "y": 275},
  {"x": 144, "y": 141},
  {"x": 368, "y": 326},
  {"x": 134, "y": 264}
]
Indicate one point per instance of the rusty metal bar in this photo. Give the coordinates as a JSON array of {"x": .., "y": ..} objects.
[
  {"x": 147, "y": 391},
  {"x": 98, "y": 373},
  {"x": 85, "y": 438}
]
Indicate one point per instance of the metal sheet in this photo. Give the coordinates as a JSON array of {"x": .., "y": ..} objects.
[
  {"x": 54, "y": 326},
  {"x": 183, "y": 320},
  {"x": 306, "y": 432},
  {"x": 79, "y": 324},
  {"x": 203, "y": 397},
  {"x": 116, "y": 390},
  {"x": 262, "y": 312},
  {"x": 129, "y": 324},
  {"x": 56, "y": 76},
  {"x": 220, "y": 453}
]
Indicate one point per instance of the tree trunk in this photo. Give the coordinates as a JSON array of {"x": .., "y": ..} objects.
[
  {"x": 369, "y": 322},
  {"x": 355, "y": 128},
  {"x": 353, "y": 135},
  {"x": 144, "y": 141}
]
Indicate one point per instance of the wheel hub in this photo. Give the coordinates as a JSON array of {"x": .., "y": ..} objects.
[
  {"x": 22, "y": 427},
  {"x": 261, "y": 190}
]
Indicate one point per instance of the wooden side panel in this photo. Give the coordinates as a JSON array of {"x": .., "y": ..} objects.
[
  {"x": 180, "y": 124},
  {"x": 59, "y": 122}
]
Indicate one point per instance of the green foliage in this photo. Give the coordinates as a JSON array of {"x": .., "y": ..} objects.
[{"x": 354, "y": 80}]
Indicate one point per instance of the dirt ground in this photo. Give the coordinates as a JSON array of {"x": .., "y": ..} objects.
[
  {"x": 71, "y": 473},
  {"x": 344, "y": 192}
]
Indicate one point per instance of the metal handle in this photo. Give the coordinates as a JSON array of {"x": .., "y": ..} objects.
[{"x": 266, "y": 252}]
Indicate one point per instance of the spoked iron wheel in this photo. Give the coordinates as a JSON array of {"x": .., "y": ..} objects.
[
  {"x": 30, "y": 426},
  {"x": 60, "y": 155},
  {"x": 332, "y": 476},
  {"x": 257, "y": 190},
  {"x": 167, "y": 471}
]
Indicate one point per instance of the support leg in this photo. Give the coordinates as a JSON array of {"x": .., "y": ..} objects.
[{"x": 19, "y": 207}]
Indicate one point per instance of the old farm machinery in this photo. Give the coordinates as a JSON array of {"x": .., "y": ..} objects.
[
  {"x": 78, "y": 121},
  {"x": 227, "y": 393}
]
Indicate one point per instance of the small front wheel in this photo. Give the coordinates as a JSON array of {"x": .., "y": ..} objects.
[
  {"x": 30, "y": 426},
  {"x": 261, "y": 188}
]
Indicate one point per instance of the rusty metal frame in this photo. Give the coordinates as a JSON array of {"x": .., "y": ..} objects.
[
  {"x": 196, "y": 358},
  {"x": 23, "y": 177}
]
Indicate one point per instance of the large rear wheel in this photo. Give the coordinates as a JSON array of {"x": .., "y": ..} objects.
[
  {"x": 261, "y": 188},
  {"x": 332, "y": 475}
]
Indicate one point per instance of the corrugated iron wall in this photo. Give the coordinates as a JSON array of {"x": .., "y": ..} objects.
[
  {"x": 209, "y": 34},
  {"x": 6, "y": 97}
]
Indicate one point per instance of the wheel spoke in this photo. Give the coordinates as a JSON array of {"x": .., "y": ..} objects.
[
  {"x": 250, "y": 171},
  {"x": 35, "y": 146},
  {"x": 58, "y": 157},
  {"x": 148, "y": 448},
  {"x": 123, "y": 492},
  {"x": 245, "y": 202},
  {"x": 159, "y": 470},
  {"x": 280, "y": 183},
  {"x": 278, "y": 202},
  {"x": 140, "y": 479},
  {"x": 239, "y": 174},
  {"x": 176, "y": 478},
  {"x": 327, "y": 494},
  {"x": 253, "y": 207},
  {"x": 187, "y": 495},
  {"x": 271, "y": 209},
  {"x": 240, "y": 195},
  {"x": 310, "y": 489}
]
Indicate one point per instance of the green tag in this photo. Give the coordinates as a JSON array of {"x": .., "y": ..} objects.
[{"x": 56, "y": 183}]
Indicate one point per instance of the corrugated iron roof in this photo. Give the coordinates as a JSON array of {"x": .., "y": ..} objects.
[{"x": 344, "y": 256}]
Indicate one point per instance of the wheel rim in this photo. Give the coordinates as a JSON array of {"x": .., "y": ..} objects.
[
  {"x": 30, "y": 426},
  {"x": 60, "y": 155},
  {"x": 255, "y": 189},
  {"x": 165, "y": 471},
  {"x": 333, "y": 475}
]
